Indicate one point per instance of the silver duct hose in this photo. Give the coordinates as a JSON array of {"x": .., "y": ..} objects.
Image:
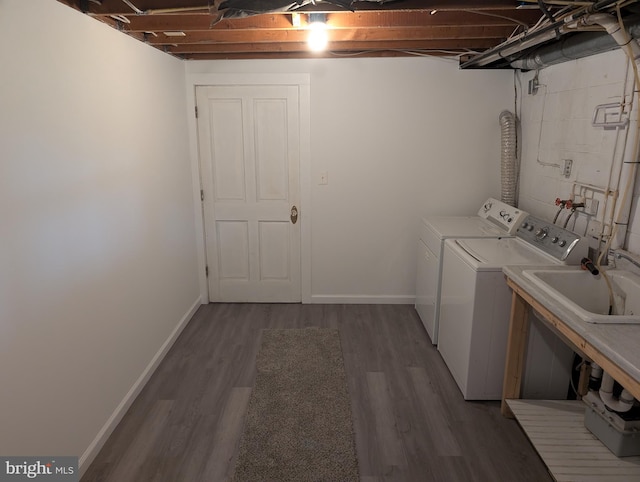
[
  {"x": 508, "y": 167},
  {"x": 576, "y": 46}
]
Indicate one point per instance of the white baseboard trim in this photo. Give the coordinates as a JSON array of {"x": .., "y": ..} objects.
[
  {"x": 104, "y": 433},
  {"x": 364, "y": 299}
]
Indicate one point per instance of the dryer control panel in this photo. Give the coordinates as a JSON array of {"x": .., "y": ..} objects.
[
  {"x": 502, "y": 215},
  {"x": 562, "y": 244}
]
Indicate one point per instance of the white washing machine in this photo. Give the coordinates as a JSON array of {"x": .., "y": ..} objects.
[
  {"x": 495, "y": 219},
  {"x": 475, "y": 311}
]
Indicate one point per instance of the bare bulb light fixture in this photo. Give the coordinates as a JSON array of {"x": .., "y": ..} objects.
[{"x": 318, "y": 36}]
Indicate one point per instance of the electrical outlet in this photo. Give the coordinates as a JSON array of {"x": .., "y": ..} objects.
[
  {"x": 566, "y": 167},
  {"x": 594, "y": 228}
]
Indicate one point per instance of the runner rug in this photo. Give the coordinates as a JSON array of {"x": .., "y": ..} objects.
[{"x": 298, "y": 425}]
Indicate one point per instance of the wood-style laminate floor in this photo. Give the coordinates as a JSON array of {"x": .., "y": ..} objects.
[{"x": 410, "y": 420}]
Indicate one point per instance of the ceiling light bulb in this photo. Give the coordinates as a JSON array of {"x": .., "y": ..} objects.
[{"x": 318, "y": 37}]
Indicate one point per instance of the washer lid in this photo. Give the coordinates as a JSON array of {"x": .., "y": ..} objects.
[
  {"x": 463, "y": 227},
  {"x": 493, "y": 254},
  {"x": 494, "y": 219}
]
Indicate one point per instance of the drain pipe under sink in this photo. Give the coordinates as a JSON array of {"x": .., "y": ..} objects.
[{"x": 620, "y": 404}]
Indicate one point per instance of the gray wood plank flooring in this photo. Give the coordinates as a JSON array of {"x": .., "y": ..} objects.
[{"x": 411, "y": 422}]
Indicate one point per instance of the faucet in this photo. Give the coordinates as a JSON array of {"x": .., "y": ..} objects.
[
  {"x": 588, "y": 265},
  {"x": 618, "y": 255}
]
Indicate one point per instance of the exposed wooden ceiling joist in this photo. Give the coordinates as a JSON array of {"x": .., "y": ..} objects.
[
  {"x": 368, "y": 35},
  {"x": 119, "y": 7},
  {"x": 187, "y": 22},
  {"x": 302, "y": 46},
  {"x": 401, "y": 27}
]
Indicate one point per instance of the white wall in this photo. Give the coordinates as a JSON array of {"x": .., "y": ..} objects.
[
  {"x": 556, "y": 125},
  {"x": 97, "y": 252},
  {"x": 399, "y": 138}
]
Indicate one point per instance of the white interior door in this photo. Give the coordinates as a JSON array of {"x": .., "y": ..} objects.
[{"x": 249, "y": 147}]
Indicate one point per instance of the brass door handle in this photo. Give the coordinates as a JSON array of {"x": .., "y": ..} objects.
[{"x": 294, "y": 214}]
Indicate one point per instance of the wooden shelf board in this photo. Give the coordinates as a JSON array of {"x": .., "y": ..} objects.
[{"x": 571, "y": 453}]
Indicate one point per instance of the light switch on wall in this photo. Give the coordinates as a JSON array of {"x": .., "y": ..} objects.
[{"x": 324, "y": 178}]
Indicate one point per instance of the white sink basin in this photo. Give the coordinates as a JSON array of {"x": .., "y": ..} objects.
[{"x": 587, "y": 295}]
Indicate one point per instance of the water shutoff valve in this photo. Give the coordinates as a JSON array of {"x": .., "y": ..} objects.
[{"x": 571, "y": 205}]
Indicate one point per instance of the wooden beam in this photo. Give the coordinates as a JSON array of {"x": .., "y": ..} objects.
[
  {"x": 390, "y": 34},
  {"x": 160, "y": 23},
  {"x": 516, "y": 349},
  {"x": 118, "y": 7},
  {"x": 467, "y": 44},
  {"x": 398, "y": 26},
  {"x": 306, "y": 55}
]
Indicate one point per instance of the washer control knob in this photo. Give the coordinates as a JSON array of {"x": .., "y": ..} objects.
[
  {"x": 554, "y": 239},
  {"x": 541, "y": 233},
  {"x": 562, "y": 243},
  {"x": 530, "y": 227}
]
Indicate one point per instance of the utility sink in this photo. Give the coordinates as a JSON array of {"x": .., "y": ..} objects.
[{"x": 587, "y": 295}]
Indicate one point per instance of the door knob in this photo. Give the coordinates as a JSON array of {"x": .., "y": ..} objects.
[{"x": 294, "y": 214}]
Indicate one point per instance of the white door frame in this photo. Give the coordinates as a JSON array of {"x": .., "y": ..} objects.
[{"x": 302, "y": 81}]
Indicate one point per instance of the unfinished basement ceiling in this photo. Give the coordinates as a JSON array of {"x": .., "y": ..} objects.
[{"x": 269, "y": 29}]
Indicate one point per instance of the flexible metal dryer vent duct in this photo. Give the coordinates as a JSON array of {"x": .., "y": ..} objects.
[
  {"x": 574, "y": 47},
  {"x": 508, "y": 167}
]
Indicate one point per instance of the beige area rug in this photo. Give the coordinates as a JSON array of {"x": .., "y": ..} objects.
[{"x": 298, "y": 425}]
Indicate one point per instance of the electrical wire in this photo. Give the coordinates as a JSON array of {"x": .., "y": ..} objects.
[
  {"x": 157, "y": 11},
  {"x": 517, "y": 84},
  {"x": 563, "y": 3},
  {"x": 120, "y": 18},
  {"x": 418, "y": 53},
  {"x": 627, "y": 3},
  {"x": 513, "y": 48},
  {"x": 504, "y": 17},
  {"x": 542, "y": 163},
  {"x": 543, "y": 19},
  {"x": 133, "y": 7},
  {"x": 548, "y": 164},
  {"x": 547, "y": 14}
]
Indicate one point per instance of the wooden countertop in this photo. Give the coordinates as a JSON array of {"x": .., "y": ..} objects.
[{"x": 615, "y": 347}]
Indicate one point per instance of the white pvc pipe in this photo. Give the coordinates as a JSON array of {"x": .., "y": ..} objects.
[
  {"x": 606, "y": 219},
  {"x": 621, "y": 404},
  {"x": 626, "y": 180},
  {"x": 611, "y": 25},
  {"x": 627, "y": 177}
]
